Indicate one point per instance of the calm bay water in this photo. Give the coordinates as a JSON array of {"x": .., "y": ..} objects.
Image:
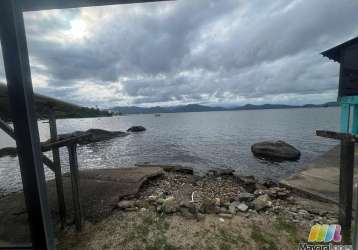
[{"x": 201, "y": 140}]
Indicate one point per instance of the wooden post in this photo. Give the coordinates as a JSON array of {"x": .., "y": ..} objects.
[
  {"x": 355, "y": 231},
  {"x": 7, "y": 129},
  {"x": 346, "y": 189},
  {"x": 18, "y": 76},
  {"x": 72, "y": 150},
  {"x": 57, "y": 167}
]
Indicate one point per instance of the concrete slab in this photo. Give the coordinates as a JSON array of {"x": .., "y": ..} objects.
[
  {"x": 100, "y": 191},
  {"x": 320, "y": 179}
]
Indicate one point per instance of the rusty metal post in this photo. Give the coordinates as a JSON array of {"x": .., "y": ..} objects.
[
  {"x": 72, "y": 150},
  {"x": 346, "y": 189},
  {"x": 57, "y": 168}
]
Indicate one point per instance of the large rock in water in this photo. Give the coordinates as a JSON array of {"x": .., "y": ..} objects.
[
  {"x": 136, "y": 129},
  {"x": 95, "y": 135},
  {"x": 278, "y": 150}
]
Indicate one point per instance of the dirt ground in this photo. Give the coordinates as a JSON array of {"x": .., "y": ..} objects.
[{"x": 149, "y": 230}]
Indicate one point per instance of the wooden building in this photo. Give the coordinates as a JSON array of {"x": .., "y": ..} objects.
[{"x": 346, "y": 54}]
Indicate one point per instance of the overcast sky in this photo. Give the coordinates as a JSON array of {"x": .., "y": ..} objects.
[{"x": 222, "y": 52}]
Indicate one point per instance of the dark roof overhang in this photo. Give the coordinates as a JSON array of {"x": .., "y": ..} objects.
[{"x": 335, "y": 52}]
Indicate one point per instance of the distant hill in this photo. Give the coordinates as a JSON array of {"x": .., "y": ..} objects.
[
  {"x": 174, "y": 109},
  {"x": 202, "y": 108},
  {"x": 62, "y": 109}
]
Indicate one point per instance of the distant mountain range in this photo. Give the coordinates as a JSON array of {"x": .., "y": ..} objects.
[
  {"x": 202, "y": 108},
  {"x": 62, "y": 109}
]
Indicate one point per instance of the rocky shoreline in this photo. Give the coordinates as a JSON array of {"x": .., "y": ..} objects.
[
  {"x": 217, "y": 211},
  {"x": 225, "y": 195}
]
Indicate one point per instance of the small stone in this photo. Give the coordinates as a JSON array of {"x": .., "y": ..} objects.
[
  {"x": 248, "y": 182},
  {"x": 226, "y": 204},
  {"x": 131, "y": 209},
  {"x": 269, "y": 183},
  {"x": 125, "y": 204},
  {"x": 226, "y": 216},
  {"x": 217, "y": 202},
  {"x": 246, "y": 197},
  {"x": 221, "y": 220},
  {"x": 232, "y": 209},
  {"x": 279, "y": 193},
  {"x": 259, "y": 192},
  {"x": 302, "y": 212},
  {"x": 243, "y": 207},
  {"x": 262, "y": 202},
  {"x": 170, "y": 205},
  {"x": 152, "y": 198},
  {"x": 220, "y": 210}
]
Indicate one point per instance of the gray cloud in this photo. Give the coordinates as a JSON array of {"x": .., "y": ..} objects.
[{"x": 205, "y": 51}]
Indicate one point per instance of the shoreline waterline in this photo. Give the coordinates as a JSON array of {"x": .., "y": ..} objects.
[{"x": 203, "y": 140}]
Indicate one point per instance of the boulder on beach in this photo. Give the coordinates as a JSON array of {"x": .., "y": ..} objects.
[
  {"x": 136, "y": 129},
  {"x": 276, "y": 151}
]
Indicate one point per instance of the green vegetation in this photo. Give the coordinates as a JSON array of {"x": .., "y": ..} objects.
[
  {"x": 264, "y": 240},
  {"x": 228, "y": 238},
  {"x": 62, "y": 109},
  {"x": 151, "y": 231},
  {"x": 289, "y": 229}
]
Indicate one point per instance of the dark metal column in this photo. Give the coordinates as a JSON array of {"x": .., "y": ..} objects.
[
  {"x": 346, "y": 189},
  {"x": 17, "y": 68}
]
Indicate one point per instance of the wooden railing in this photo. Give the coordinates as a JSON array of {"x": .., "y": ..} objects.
[{"x": 55, "y": 165}]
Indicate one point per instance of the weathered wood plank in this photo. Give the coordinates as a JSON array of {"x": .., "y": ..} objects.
[
  {"x": 62, "y": 143},
  {"x": 7, "y": 129},
  {"x": 48, "y": 162},
  {"x": 58, "y": 172},
  {"x": 72, "y": 151},
  {"x": 337, "y": 135}
]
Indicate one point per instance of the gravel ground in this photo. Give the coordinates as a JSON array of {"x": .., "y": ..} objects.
[{"x": 181, "y": 211}]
